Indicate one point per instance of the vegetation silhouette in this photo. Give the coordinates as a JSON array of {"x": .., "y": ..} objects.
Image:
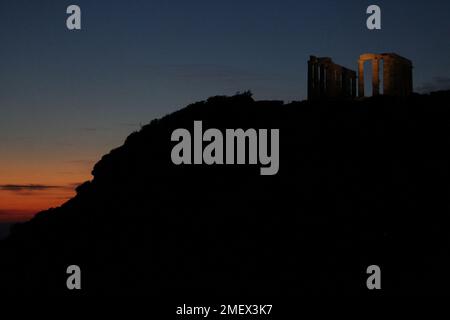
[{"x": 360, "y": 183}]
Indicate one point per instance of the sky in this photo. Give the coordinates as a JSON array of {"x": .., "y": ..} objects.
[{"x": 68, "y": 97}]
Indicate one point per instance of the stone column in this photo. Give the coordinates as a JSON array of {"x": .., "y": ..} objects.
[
  {"x": 360, "y": 78},
  {"x": 316, "y": 80},
  {"x": 375, "y": 77},
  {"x": 322, "y": 80},
  {"x": 387, "y": 77},
  {"x": 310, "y": 80}
]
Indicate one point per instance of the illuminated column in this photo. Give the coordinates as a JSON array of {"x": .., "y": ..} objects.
[
  {"x": 361, "y": 78},
  {"x": 375, "y": 77}
]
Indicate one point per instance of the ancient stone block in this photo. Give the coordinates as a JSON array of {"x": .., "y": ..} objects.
[{"x": 327, "y": 80}]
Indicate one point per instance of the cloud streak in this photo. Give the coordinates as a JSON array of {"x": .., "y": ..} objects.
[
  {"x": 438, "y": 83},
  {"x": 82, "y": 162},
  {"x": 27, "y": 187},
  {"x": 4, "y": 213},
  {"x": 16, "y": 215}
]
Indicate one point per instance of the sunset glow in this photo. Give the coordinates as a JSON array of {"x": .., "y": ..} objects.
[{"x": 27, "y": 187}]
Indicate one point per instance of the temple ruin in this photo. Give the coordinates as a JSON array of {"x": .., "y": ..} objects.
[
  {"x": 327, "y": 80},
  {"x": 397, "y": 74}
]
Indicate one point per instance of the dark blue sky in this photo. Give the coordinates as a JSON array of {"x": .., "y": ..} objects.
[{"x": 68, "y": 97}]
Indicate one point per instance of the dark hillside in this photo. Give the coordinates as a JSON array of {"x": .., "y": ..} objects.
[{"x": 360, "y": 183}]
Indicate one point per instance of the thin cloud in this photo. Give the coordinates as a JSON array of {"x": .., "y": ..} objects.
[
  {"x": 438, "y": 83},
  {"x": 81, "y": 161},
  {"x": 15, "y": 215},
  {"x": 130, "y": 124},
  {"x": 6, "y": 213},
  {"x": 92, "y": 129},
  {"x": 75, "y": 185},
  {"x": 27, "y": 187}
]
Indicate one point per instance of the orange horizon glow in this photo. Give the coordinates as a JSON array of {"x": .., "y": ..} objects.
[
  {"x": 35, "y": 175},
  {"x": 21, "y": 205},
  {"x": 28, "y": 187}
]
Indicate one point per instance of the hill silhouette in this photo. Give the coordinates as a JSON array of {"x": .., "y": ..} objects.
[{"x": 360, "y": 183}]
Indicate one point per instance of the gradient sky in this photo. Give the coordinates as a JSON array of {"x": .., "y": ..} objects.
[{"x": 66, "y": 98}]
